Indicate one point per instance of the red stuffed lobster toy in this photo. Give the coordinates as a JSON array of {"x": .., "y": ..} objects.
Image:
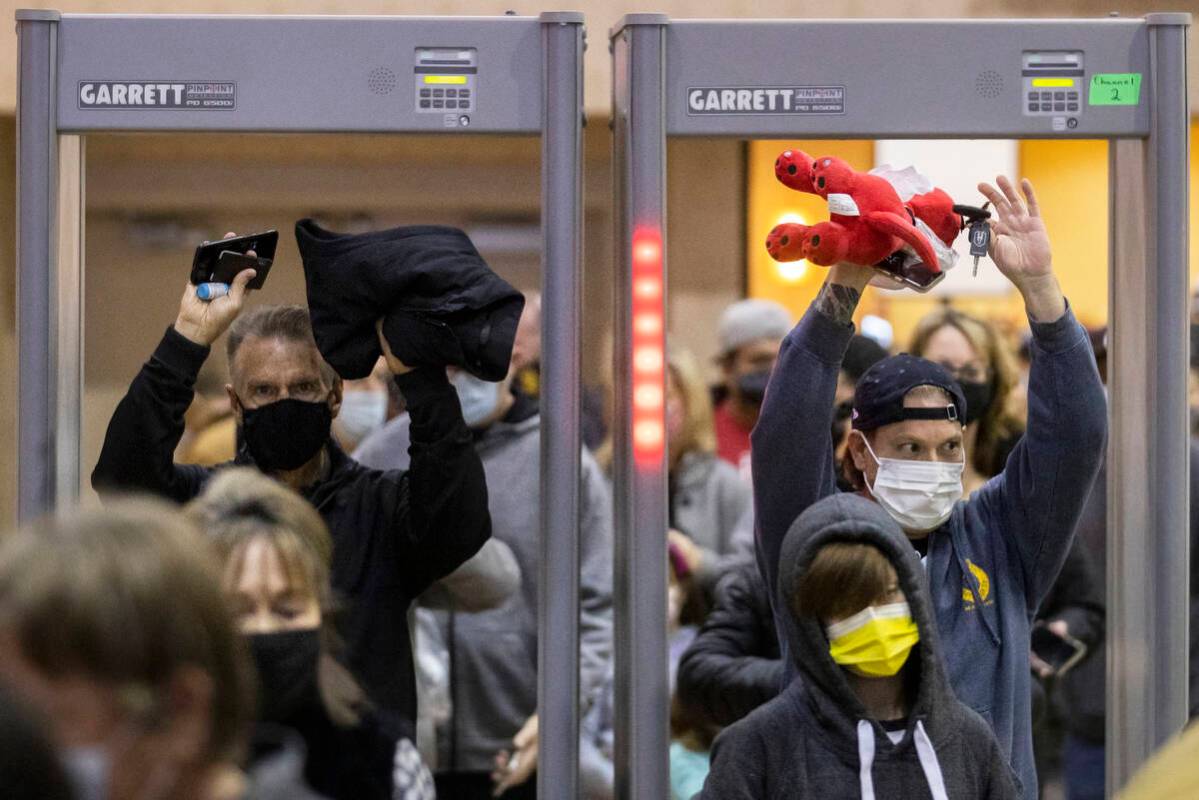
[{"x": 869, "y": 224}]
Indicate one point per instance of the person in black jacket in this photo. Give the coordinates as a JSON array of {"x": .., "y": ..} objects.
[
  {"x": 394, "y": 533},
  {"x": 733, "y": 664},
  {"x": 1075, "y": 608}
]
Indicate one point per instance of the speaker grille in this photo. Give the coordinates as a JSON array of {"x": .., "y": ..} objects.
[
  {"x": 381, "y": 81},
  {"x": 989, "y": 84}
]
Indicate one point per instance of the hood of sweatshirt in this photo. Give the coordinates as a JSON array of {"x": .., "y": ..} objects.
[{"x": 854, "y": 519}]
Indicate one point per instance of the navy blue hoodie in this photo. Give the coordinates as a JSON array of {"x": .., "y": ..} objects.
[
  {"x": 816, "y": 738},
  {"x": 991, "y": 563}
]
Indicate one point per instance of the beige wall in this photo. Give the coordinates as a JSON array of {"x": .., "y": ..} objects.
[{"x": 601, "y": 15}]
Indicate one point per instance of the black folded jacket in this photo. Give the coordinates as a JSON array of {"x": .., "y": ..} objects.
[{"x": 441, "y": 304}]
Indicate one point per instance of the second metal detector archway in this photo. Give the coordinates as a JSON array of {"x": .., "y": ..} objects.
[
  {"x": 923, "y": 79},
  {"x": 82, "y": 74}
]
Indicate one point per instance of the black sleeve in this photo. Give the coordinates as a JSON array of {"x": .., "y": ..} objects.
[
  {"x": 732, "y": 666},
  {"x": 448, "y": 520},
  {"x": 139, "y": 447},
  {"x": 1077, "y": 597}
]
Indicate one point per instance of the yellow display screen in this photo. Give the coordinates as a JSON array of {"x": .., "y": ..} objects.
[
  {"x": 446, "y": 80},
  {"x": 1053, "y": 83}
]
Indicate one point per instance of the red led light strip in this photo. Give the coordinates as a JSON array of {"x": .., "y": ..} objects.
[{"x": 649, "y": 357}]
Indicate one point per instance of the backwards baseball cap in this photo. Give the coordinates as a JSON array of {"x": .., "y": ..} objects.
[{"x": 878, "y": 397}]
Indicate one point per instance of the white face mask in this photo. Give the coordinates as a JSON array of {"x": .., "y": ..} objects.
[
  {"x": 479, "y": 398},
  {"x": 362, "y": 412},
  {"x": 919, "y": 495},
  {"x": 88, "y": 768}
]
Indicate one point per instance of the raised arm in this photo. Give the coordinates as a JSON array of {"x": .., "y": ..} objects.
[
  {"x": 446, "y": 497},
  {"x": 139, "y": 446},
  {"x": 792, "y": 448},
  {"x": 1039, "y": 496}
]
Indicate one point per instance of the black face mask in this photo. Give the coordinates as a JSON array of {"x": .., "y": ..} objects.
[
  {"x": 979, "y": 397},
  {"x": 287, "y": 667},
  {"x": 752, "y": 385},
  {"x": 286, "y": 434}
]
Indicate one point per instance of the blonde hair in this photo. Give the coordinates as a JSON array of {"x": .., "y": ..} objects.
[
  {"x": 699, "y": 432},
  {"x": 1000, "y": 423},
  {"x": 128, "y": 595},
  {"x": 240, "y": 505}
]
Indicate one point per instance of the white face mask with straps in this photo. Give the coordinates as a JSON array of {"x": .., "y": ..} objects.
[{"x": 919, "y": 495}]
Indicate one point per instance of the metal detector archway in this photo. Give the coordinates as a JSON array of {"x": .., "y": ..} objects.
[
  {"x": 971, "y": 79},
  {"x": 80, "y": 74}
]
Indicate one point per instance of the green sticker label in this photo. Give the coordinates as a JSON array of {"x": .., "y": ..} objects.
[{"x": 1116, "y": 89}]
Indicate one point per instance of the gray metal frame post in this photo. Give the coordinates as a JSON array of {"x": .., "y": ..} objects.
[
  {"x": 37, "y": 211},
  {"x": 562, "y": 239},
  {"x": 639, "y": 159},
  {"x": 1148, "y": 479}
]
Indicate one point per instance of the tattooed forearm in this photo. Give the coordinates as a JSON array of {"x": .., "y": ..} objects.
[{"x": 838, "y": 302}]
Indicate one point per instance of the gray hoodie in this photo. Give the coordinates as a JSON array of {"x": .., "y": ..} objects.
[
  {"x": 493, "y": 654},
  {"x": 816, "y": 739}
]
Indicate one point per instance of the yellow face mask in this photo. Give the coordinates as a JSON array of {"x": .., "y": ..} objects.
[{"x": 876, "y": 641}]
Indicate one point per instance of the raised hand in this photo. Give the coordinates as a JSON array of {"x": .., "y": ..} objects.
[
  {"x": 396, "y": 366},
  {"x": 1020, "y": 247},
  {"x": 202, "y": 321}
]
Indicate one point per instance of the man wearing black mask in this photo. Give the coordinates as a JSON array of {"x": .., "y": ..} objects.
[
  {"x": 750, "y": 332},
  {"x": 394, "y": 532}
]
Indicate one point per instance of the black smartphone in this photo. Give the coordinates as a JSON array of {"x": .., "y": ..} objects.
[
  {"x": 1059, "y": 652},
  {"x": 220, "y": 261},
  {"x": 910, "y": 271},
  {"x": 230, "y": 264}
]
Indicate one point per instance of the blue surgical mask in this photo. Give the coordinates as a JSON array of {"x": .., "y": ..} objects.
[
  {"x": 362, "y": 412},
  {"x": 88, "y": 769},
  {"x": 479, "y": 398}
]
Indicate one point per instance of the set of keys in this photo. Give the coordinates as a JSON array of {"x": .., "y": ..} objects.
[{"x": 976, "y": 219}]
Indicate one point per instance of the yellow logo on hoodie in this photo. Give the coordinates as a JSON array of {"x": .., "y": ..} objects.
[{"x": 984, "y": 586}]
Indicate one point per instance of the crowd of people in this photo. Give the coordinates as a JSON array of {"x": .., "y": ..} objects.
[{"x": 301, "y": 585}]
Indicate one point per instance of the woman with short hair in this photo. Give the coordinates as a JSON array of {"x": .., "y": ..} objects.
[{"x": 276, "y": 552}]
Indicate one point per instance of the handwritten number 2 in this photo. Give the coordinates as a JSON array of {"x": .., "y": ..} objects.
[{"x": 1115, "y": 93}]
